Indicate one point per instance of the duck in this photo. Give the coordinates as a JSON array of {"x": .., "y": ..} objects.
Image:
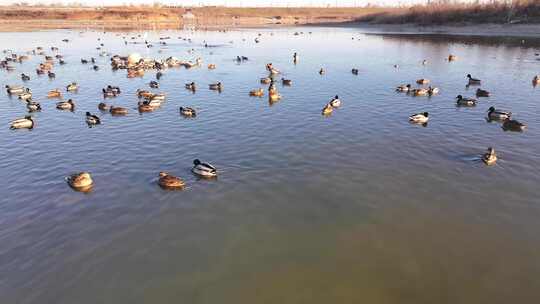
[
  {"x": 156, "y": 97},
  {"x": 322, "y": 71},
  {"x": 23, "y": 123},
  {"x": 211, "y": 66},
  {"x": 266, "y": 80},
  {"x": 494, "y": 114},
  {"x": 328, "y": 109},
  {"x": 118, "y": 110},
  {"x": 187, "y": 111},
  {"x": 273, "y": 93},
  {"x": 95, "y": 67},
  {"x": 33, "y": 106},
  {"x": 191, "y": 86},
  {"x": 404, "y": 88},
  {"x": 482, "y": 93},
  {"x": 536, "y": 80},
  {"x": 452, "y": 57},
  {"x": 25, "y": 77},
  {"x": 216, "y": 86},
  {"x": 169, "y": 181},
  {"x": 490, "y": 157},
  {"x": 433, "y": 91},
  {"x": 103, "y": 106},
  {"x": 419, "y": 118},
  {"x": 27, "y": 94},
  {"x": 424, "y": 62},
  {"x": 80, "y": 180},
  {"x": 51, "y": 74},
  {"x": 144, "y": 94},
  {"x": 203, "y": 169},
  {"x": 72, "y": 87},
  {"x": 465, "y": 101},
  {"x": 513, "y": 125},
  {"x": 154, "y": 84},
  {"x": 420, "y": 92},
  {"x": 286, "y": 82},
  {"x": 422, "y": 81},
  {"x": 473, "y": 81},
  {"x": 354, "y": 71},
  {"x": 335, "y": 102},
  {"x": 271, "y": 69},
  {"x": 257, "y": 92},
  {"x": 54, "y": 93},
  {"x": 144, "y": 106},
  {"x": 84, "y": 61},
  {"x": 66, "y": 105},
  {"x": 11, "y": 90},
  {"x": 92, "y": 119},
  {"x": 107, "y": 93}
]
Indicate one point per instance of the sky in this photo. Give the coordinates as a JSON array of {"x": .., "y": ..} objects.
[{"x": 250, "y": 3}]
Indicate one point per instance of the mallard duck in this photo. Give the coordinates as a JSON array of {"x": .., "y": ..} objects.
[
  {"x": 494, "y": 114},
  {"x": 473, "y": 81},
  {"x": 420, "y": 92},
  {"x": 452, "y": 57},
  {"x": 66, "y": 105},
  {"x": 23, "y": 123},
  {"x": 211, "y": 66},
  {"x": 419, "y": 118},
  {"x": 144, "y": 94},
  {"x": 11, "y": 90},
  {"x": 25, "y": 95},
  {"x": 103, "y": 106},
  {"x": 433, "y": 91},
  {"x": 513, "y": 125},
  {"x": 107, "y": 94},
  {"x": 257, "y": 93},
  {"x": 54, "y": 93},
  {"x": 286, "y": 82},
  {"x": 404, "y": 88},
  {"x": 335, "y": 102},
  {"x": 118, "y": 110},
  {"x": 203, "y": 169},
  {"x": 322, "y": 71},
  {"x": 25, "y": 77},
  {"x": 144, "y": 106},
  {"x": 490, "y": 157},
  {"x": 154, "y": 84},
  {"x": 168, "y": 181},
  {"x": 191, "y": 86},
  {"x": 536, "y": 80},
  {"x": 92, "y": 119},
  {"x": 51, "y": 74},
  {"x": 354, "y": 71},
  {"x": 328, "y": 109},
  {"x": 424, "y": 62},
  {"x": 465, "y": 101},
  {"x": 273, "y": 93},
  {"x": 33, "y": 106},
  {"x": 72, "y": 87},
  {"x": 80, "y": 181},
  {"x": 216, "y": 86},
  {"x": 187, "y": 111},
  {"x": 482, "y": 93},
  {"x": 422, "y": 81},
  {"x": 84, "y": 61},
  {"x": 95, "y": 67},
  {"x": 266, "y": 80}
]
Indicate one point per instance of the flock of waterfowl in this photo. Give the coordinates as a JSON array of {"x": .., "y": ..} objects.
[{"x": 136, "y": 66}]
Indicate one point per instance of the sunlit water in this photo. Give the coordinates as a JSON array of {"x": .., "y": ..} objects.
[{"x": 358, "y": 207}]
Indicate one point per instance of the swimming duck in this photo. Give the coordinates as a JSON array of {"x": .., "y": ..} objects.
[
  {"x": 536, "y": 80},
  {"x": 419, "y": 118},
  {"x": 27, "y": 94},
  {"x": 118, "y": 110},
  {"x": 286, "y": 82},
  {"x": 72, "y": 87},
  {"x": 420, "y": 92},
  {"x": 513, "y": 125},
  {"x": 490, "y": 157},
  {"x": 107, "y": 93},
  {"x": 25, "y": 77},
  {"x": 92, "y": 119},
  {"x": 433, "y": 91},
  {"x": 80, "y": 181},
  {"x": 103, "y": 106},
  {"x": 84, "y": 61},
  {"x": 23, "y": 123},
  {"x": 452, "y": 57},
  {"x": 422, "y": 81},
  {"x": 273, "y": 94},
  {"x": 328, "y": 109},
  {"x": 154, "y": 84},
  {"x": 156, "y": 97},
  {"x": 51, "y": 74},
  {"x": 271, "y": 69},
  {"x": 473, "y": 81},
  {"x": 203, "y": 169},
  {"x": 168, "y": 181},
  {"x": 187, "y": 111},
  {"x": 211, "y": 66},
  {"x": 216, "y": 86},
  {"x": 321, "y": 71},
  {"x": 191, "y": 86},
  {"x": 11, "y": 90},
  {"x": 494, "y": 114},
  {"x": 354, "y": 71},
  {"x": 335, "y": 102},
  {"x": 464, "y": 101},
  {"x": 257, "y": 93},
  {"x": 424, "y": 62},
  {"x": 66, "y": 105},
  {"x": 266, "y": 80},
  {"x": 33, "y": 106},
  {"x": 54, "y": 93},
  {"x": 95, "y": 67},
  {"x": 404, "y": 88},
  {"x": 144, "y": 94},
  {"x": 482, "y": 93}
]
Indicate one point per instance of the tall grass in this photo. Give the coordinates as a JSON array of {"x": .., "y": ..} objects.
[{"x": 442, "y": 12}]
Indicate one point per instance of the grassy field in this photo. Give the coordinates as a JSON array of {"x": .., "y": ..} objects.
[{"x": 522, "y": 11}]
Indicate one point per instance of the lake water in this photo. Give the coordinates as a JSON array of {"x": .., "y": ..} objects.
[{"x": 357, "y": 207}]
